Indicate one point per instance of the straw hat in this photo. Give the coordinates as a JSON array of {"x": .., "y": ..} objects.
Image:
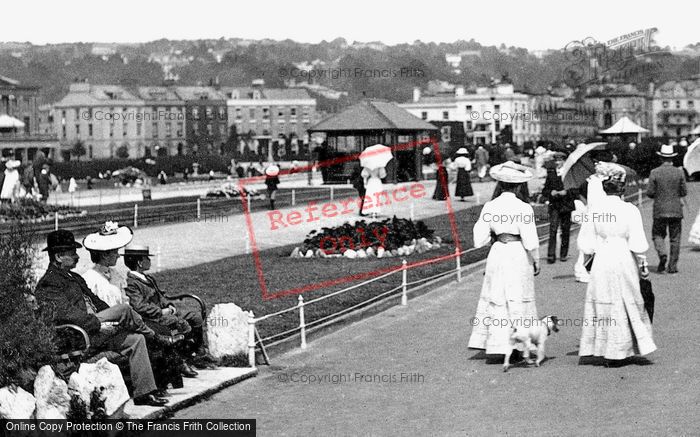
[
  {"x": 272, "y": 170},
  {"x": 110, "y": 237},
  {"x": 511, "y": 172},
  {"x": 12, "y": 164},
  {"x": 137, "y": 250},
  {"x": 667, "y": 151},
  {"x": 427, "y": 150},
  {"x": 462, "y": 151}
]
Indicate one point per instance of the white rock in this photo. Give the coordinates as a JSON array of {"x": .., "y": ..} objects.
[
  {"x": 105, "y": 376},
  {"x": 19, "y": 405},
  {"x": 370, "y": 251},
  {"x": 380, "y": 252},
  {"x": 423, "y": 240},
  {"x": 320, "y": 254},
  {"x": 428, "y": 246},
  {"x": 350, "y": 254},
  {"x": 438, "y": 240},
  {"x": 410, "y": 249},
  {"x": 51, "y": 392},
  {"x": 401, "y": 251},
  {"x": 295, "y": 253},
  {"x": 227, "y": 330},
  {"x": 361, "y": 253},
  {"x": 309, "y": 253}
]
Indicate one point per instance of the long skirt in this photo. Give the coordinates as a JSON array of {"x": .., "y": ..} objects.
[
  {"x": 694, "y": 238},
  {"x": 373, "y": 187},
  {"x": 464, "y": 185},
  {"x": 615, "y": 323},
  {"x": 507, "y": 299},
  {"x": 441, "y": 185}
]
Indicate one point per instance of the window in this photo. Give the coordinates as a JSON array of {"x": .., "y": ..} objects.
[
  {"x": 64, "y": 130},
  {"x": 445, "y": 115},
  {"x": 124, "y": 129},
  {"x": 445, "y": 133},
  {"x": 469, "y": 125},
  {"x": 305, "y": 114},
  {"x": 280, "y": 112},
  {"x": 664, "y": 104},
  {"x": 222, "y": 113},
  {"x": 77, "y": 129},
  {"x": 678, "y": 105},
  {"x": 251, "y": 113},
  {"x": 210, "y": 129},
  {"x": 691, "y": 103},
  {"x": 293, "y": 111},
  {"x": 90, "y": 151},
  {"x": 496, "y": 108},
  {"x": 424, "y": 115},
  {"x": 168, "y": 130},
  {"x": 195, "y": 113},
  {"x": 469, "y": 108},
  {"x": 209, "y": 112},
  {"x": 155, "y": 130},
  {"x": 607, "y": 104},
  {"x": 90, "y": 129},
  {"x": 179, "y": 129},
  {"x": 497, "y": 125},
  {"x": 77, "y": 113},
  {"x": 111, "y": 130},
  {"x": 195, "y": 129},
  {"x": 138, "y": 129},
  {"x": 266, "y": 113},
  {"x": 238, "y": 113}
]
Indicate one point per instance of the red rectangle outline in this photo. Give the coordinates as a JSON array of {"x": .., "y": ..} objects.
[{"x": 256, "y": 253}]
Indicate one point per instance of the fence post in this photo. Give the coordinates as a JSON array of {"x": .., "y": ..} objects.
[
  {"x": 478, "y": 198},
  {"x": 639, "y": 197},
  {"x": 404, "y": 282},
  {"x": 302, "y": 322},
  {"x": 158, "y": 265},
  {"x": 411, "y": 214},
  {"x": 331, "y": 193},
  {"x": 251, "y": 339},
  {"x": 136, "y": 215},
  {"x": 55, "y": 221},
  {"x": 459, "y": 265},
  {"x": 199, "y": 209},
  {"x": 294, "y": 197}
]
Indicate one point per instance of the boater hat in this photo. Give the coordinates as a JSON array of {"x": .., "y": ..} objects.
[
  {"x": 110, "y": 237},
  {"x": 462, "y": 151},
  {"x": 61, "y": 240},
  {"x": 511, "y": 172},
  {"x": 667, "y": 151},
  {"x": 137, "y": 250},
  {"x": 12, "y": 164}
]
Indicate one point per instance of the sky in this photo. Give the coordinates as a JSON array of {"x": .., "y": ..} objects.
[{"x": 535, "y": 25}]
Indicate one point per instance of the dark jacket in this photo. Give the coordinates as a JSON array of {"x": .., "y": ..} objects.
[
  {"x": 146, "y": 298},
  {"x": 666, "y": 187},
  {"x": 272, "y": 182},
  {"x": 61, "y": 294},
  {"x": 563, "y": 203}
]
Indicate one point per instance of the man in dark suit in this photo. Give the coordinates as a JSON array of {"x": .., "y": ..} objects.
[
  {"x": 561, "y": 204},
  {"x": 667, "y": 188},
  {"x": 65, "y": 296}
]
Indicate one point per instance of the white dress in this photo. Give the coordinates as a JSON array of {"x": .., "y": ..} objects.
[
  {"x": 10, "y": 185},
  {"x": 372, "y": 187},
  {"x": 508, "y": 293},
  {"x": 694, "y": 238},
  {"x": 107, "y": 283},
  {"x": 615, "y": 323}
]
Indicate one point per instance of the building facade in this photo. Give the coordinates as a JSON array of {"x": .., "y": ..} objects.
[
  {"x": 675, "y": 106},
  {"x": 271, "y": 122},
  {"x": 19, "y": 102},
  {"x": 611, "y": 102},
  {"x": 206, "y": 118},
  {"x": 164, "y": 121}
]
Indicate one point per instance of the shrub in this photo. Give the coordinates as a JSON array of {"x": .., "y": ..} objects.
[{"x": 26, "y": 339}]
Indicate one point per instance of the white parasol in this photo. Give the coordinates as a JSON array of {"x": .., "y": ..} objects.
[
  {"x": 691, "y": 160},
  {"x": 377, "y": 156},
  {"x": 462, "y": 162},
  {"x": 272, "y": 170}
]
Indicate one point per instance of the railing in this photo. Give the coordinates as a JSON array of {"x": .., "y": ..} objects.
[{"x": 403, "y": 286}]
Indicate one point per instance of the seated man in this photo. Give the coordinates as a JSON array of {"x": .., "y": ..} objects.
[
  {"x": 149, "y": 301},
  {"x": 65, "y": 296}
]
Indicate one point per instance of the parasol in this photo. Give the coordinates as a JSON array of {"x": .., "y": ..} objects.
[
  {"x": 377, "y": 156},
  {"x": 579, "y": 165},
  {"x": 272, "y": 170},
  {"x": 691, "y": 160},
  {"x": 9, "y": 122}
]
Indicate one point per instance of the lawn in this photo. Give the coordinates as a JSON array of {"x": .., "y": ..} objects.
[{"x": 235, "y": 279}]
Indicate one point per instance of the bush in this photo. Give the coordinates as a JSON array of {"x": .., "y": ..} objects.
[{"x": 26, "y": 339}]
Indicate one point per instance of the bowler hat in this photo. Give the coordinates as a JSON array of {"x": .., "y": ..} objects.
[
  {"x": 61, "y": 240},
  {"x": 137, "y": 250}
]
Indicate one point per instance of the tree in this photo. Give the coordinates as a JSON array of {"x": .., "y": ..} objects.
[
  {"x": 122, "y": 152},
  {"x": 78, "y": 150}
]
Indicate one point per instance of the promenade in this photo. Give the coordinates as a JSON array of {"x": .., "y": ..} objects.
[{"x": 356, "y": 373}]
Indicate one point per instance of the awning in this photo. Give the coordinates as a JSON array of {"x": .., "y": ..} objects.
[
  {"x": 624, "y": 126},
  {"x": 9, "y": 122}
]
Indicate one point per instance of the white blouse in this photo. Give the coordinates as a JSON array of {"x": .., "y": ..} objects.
[
  {"x": 507, "y": 214},
  {"x": 611, "y": 218},
  {"x": 107, "y": 283}
]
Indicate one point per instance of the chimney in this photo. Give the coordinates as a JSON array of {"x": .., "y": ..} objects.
[
  {"x": 459, "y": 90},
  {"x": 416, "y": 94},
  {"x": 79, "y": 87}
]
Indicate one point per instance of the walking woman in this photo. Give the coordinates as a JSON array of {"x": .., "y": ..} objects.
[
  {"x": 615, "y": 323},
  {"x": 372, "y": 179},
  {"x": 508, "y": 291},
  {"x": 464, "y": 166},
  {"x": 272, "y": 181},
  {"x": 442, "y": 180}
]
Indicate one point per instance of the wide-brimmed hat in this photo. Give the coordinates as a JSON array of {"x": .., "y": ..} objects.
[
  {"x": 12, "y": 164},
  {"x": 427, "y": 150},
  {"x": 137, "y": 250},
  {"x": 609, "y": 171},
  {"x": 61, "y": 240},
  {"x": 511, "y": 172},
  {"x": 110, "y": 237},
  {"x": 272, "y": 170},
  {"x": 462, "y": 151},
  {"x": 667, "y": 151}
]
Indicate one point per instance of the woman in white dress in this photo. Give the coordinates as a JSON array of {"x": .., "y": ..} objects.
[
  {"x": 373, "y": 185},
  {"x": 508, "y": 293},
  {"x": 103, "y": 279},
  {"x": 615, "y": 323}
]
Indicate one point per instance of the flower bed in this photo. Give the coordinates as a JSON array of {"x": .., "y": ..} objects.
[
  {"x": 381, "y": 239},
  {"x": 30, "y": 210}
]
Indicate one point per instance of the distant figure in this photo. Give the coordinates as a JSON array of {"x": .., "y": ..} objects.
[
  {"x": 372, "y": 179},
  {"x": 9, "y": 182},
  {"x": 211, "y": 175},
  {"x": 72, "y": 185},
  {"x": 482, "y": 162},
  {"x": 667, "y": 188},
  {"x": 44, "y": 182},
  {"x": 88, "y": 180},
  {"x": 561, "y": 204},
  {"x": 441, "y": 192},
  {"x": 510, "y": 155},
  {"x": 240, "y": 171},
  {"x": 464, "y": 166},
  {"x": 272, "y": 181},
  {"x": 186, "y": 174},
  {"x": 162, "y": 178},
  {"x": 359, "y": 184}
]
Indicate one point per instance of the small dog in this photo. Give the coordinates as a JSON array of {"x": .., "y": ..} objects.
[{"x": 534, "y": 335}]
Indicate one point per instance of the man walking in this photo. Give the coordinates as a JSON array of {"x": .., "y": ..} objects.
[
  {"x": 482, "y": 162},
  {"x": 561, "y": 204},
  {"x": 65, "y": 296},
  {"x": 667, "y": 188}
]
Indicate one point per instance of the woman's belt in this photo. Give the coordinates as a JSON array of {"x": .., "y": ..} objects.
[{"x": 508, "y": 238}]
